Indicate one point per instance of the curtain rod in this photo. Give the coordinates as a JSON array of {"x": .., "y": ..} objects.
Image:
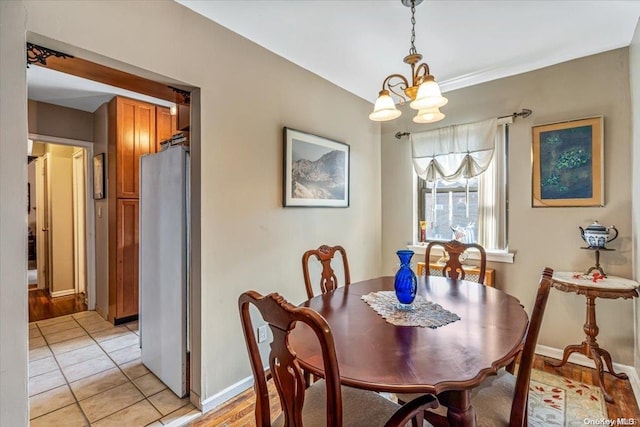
[{"x": 524, "y": 114}]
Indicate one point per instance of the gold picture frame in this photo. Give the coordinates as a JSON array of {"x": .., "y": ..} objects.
[{"x": 567, "y": 163}]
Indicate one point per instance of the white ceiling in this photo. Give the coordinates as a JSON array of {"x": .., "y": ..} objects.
[
  {"x": 357, "y": 43},
  {"x": 54, "y": 87}
]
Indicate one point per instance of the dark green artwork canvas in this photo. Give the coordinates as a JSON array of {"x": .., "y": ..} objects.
[{"x": 566, "y": 169}]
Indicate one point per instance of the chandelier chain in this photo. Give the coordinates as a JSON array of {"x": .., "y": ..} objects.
[
  {"x": 413, "y": 50},
  {"x": 420, "y": 90}
]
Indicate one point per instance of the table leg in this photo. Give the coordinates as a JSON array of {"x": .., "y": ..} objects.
[
  {"x": 599, "y": 375},
  {"x": 568, "y": 350},
  {"x": 607, "y": 358},
  {"x": 460, "y": 413},
  {"x": 592, "y": 350}
]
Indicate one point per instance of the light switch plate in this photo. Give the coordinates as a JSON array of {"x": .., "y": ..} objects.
[{"x": 262, "y": 333}]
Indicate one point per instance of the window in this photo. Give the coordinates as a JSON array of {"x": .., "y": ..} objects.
[
  {"x": 473, "y": 210},
  {"x": 448, "y": 211}
]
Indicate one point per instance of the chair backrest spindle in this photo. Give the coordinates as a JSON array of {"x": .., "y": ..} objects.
[
  {"x": 328, "y": 279},
  {"x": 288, "y": 376},
  {"x": 453, "y": 267}
]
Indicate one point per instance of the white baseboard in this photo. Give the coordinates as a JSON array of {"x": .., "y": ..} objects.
[
  {"x": 63, "y": 293},
  {"x": 223, "y": 396},
  {"x": 582, "y": 360},
  {"x": 185, "y": 419}
]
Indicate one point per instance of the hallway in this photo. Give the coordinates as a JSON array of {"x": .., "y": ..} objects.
[
  {"x": 84, "y": 371},
  {"x": 42, "y": 306}
]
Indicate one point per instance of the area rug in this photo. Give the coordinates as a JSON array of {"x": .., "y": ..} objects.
[{"x": 559, "y": 401}]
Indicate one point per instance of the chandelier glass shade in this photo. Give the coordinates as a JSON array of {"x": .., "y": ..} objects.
[
  {"x": 428, "y": 115},
  {"x": 385, "y": 108},
  {"x": 422, "y": 91}
]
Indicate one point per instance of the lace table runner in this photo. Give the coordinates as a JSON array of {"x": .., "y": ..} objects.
[{"x": 426, "y": 313}]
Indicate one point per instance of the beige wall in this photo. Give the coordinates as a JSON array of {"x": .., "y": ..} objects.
[
  {"x": 61, "y": 122},
  {"x": 590, "y": 86},
  {"x": 247, "y": 240},
  {"x": 100, "y": 135},
  {"x": 13, "y": 224},
  {"x": 634, "y": 73},
  {"x": 61, "y": 221}
]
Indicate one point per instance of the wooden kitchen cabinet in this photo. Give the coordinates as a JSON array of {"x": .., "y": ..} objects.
[
  {"x": 184, "y": 116},
  {"x": 127, "y": 259},
  {"x": 165, "y": 125},
  {"x": 135, "y": 135},
  {"x": 132, "y": 132}
]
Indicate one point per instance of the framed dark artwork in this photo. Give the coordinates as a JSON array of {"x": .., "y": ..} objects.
[
  {"x": 316, "y": 171},
  {"x": 567, "y": 163},
  {"x": 98, "y": 177}
]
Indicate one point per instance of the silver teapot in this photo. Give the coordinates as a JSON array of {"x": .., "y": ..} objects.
[{"x": 596, "y": 235}]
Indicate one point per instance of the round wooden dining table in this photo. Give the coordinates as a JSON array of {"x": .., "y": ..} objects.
[{"x": 448, "y": 361}]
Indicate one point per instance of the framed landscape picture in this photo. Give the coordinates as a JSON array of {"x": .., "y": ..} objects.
[
  {"x": 567, "y": 166},
  {"x": 316, "y": 171}
]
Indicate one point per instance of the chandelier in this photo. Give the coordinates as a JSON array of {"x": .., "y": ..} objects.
[{"x": 423, "y": 92}]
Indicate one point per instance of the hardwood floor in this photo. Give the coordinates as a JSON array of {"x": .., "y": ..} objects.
[
  {"x": 42, "y": 306},
  {"x": 625, "y": 405},
  {"x": 238, "y": 412}
]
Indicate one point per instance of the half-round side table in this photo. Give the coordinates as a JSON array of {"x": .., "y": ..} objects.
[{"x": 612, "y": 287}]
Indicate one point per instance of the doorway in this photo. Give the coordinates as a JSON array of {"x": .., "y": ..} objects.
[
  {"x": 61, "y": 279},
  {"x": 78, "y": 181},
  {"x": 115, "y": 340}
]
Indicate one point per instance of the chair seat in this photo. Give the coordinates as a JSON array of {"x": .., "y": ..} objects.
[
  {"x": 361, "y": 408},
  {"x": 492, "y": 399}
]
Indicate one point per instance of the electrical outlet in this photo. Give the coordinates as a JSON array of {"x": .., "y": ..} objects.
[{"x": 262, "y": 333}]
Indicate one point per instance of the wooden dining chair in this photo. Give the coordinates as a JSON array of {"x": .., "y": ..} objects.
[
  {"x": 502, "y": 399},
  {"x": 453, "y": 266},
  {"x": 328, "y": 278},
  {"x": 325, "y": 402}
]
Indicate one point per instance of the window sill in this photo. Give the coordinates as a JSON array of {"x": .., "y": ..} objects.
[{"x": 493, "y": 256}]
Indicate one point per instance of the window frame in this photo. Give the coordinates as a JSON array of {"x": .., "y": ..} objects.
[
  {"x": 425, "y": 191},
  {"x": 499, "y": 255}
]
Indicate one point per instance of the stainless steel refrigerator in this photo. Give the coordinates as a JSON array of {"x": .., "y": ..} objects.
[{"x": 164, "y": 265}]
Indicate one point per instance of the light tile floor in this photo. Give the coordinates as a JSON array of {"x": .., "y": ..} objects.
[{"x": 83, "y": 371}]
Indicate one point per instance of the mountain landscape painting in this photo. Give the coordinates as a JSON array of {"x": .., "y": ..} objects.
[{"x": 317, "y": 172}]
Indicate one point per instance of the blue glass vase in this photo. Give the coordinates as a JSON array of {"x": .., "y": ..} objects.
[{"x": 406, "y": 284}]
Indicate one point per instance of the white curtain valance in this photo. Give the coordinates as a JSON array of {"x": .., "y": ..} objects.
[{"x": 454, "y": 152}]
